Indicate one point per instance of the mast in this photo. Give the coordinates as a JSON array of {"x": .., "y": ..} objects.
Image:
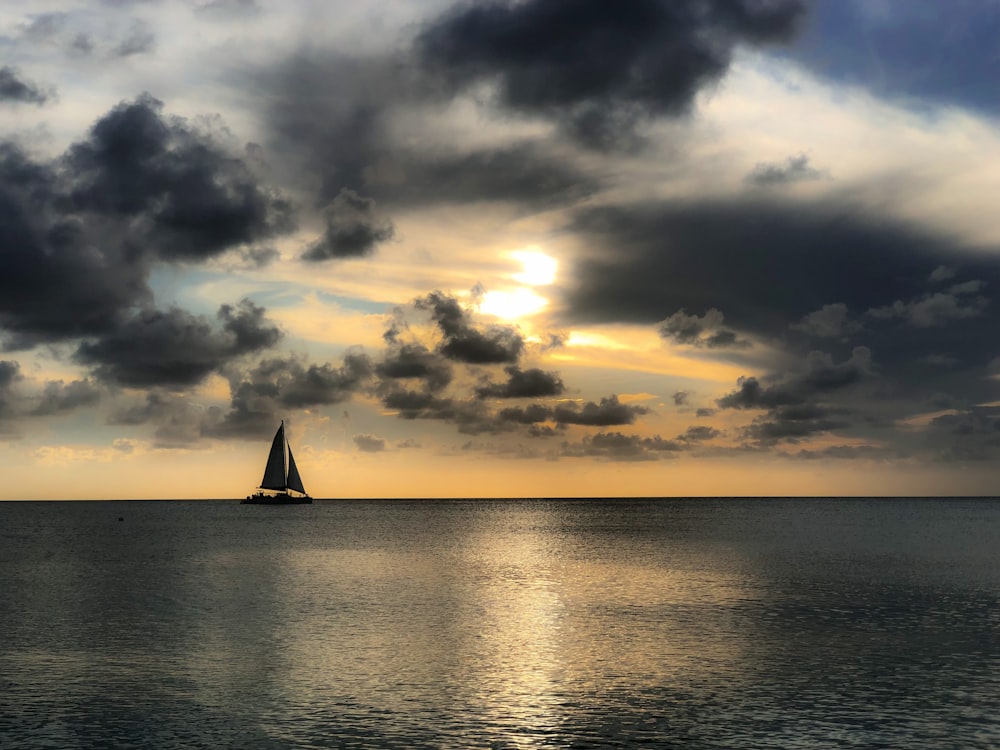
[{"x": 284, "y": 447}]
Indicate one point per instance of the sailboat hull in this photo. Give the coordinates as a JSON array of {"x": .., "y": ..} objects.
[{"x": 282, "y": 498}]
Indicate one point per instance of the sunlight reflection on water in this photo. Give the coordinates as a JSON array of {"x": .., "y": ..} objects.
[{"x": 523, "y": 624}]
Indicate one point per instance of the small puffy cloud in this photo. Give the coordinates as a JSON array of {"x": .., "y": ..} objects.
[
  {"x": 59, "y": 397},
  {"x": 463, "y": 342},
  {"x": 531, "y": 383},
  {"x": 830, "y": 321},
  {"x": 610, "y": 411},
  {"x": 413, "y": 361},
  {"x": 794, "y": 169},
  {"x": 932, "y": 310},
  {"x": 941, "y": 273},
  {"x": 354, "y": 228},
  {"x": 369, "y": 443},
  {"x": 531, "y": 414},
  {"x": 698, "y": 433},
  {"x": 138, "y": 39},
  {"x": 19, "y": 90},
  {"x": 705, "y": 331}
]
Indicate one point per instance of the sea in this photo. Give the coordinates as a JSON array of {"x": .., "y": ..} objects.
[{"x": 601, "y": 623}]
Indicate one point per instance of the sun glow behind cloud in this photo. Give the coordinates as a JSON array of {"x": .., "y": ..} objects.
[{"x": 537, "y": 269}]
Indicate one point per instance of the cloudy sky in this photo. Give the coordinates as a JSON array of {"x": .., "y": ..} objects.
[{"x": 499, "y": 248}]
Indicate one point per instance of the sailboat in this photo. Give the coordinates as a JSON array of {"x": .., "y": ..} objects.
[{"x": 281, "y": 477}]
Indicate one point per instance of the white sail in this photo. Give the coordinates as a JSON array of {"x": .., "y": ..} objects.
[
  {"x": 294, "y": 480},
  {"x": 274, "y": 472}
]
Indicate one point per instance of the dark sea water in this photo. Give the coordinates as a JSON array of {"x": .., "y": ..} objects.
[{"x": 501, "y": 624}]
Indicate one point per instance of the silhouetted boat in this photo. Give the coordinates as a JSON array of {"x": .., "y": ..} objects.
[{"x": 281, "y": 484}]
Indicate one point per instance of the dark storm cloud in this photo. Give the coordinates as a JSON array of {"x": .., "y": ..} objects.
[
  {"x": 175, "y": 348},
  {"x": 415, "y": 361},
  {"x": 59, "y": 397},
  {"x": 795, "y": 169},
  {"x": 15, "y": 88},
  {"x": 598, "y": 67},
  {"x": 463, "y": 342},
  {"x": 81, "y": 234},
  {"x": 783, "y": 270},
  {"x": 354, "y": 228},
  {"x": 190, "y": 198},
  {"x": 58, "y": 279},
  {"x": 531, "y": 383},
  {"x": 706, "y": 331},
  {"x": 765, "y": 259}
]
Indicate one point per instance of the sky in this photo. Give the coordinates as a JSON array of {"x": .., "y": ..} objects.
[{"x": 543, "y": 248}]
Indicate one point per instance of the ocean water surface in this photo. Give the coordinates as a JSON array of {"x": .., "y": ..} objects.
[{"x": 701, "y": 623}]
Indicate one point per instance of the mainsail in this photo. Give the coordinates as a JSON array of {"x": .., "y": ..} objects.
[{"x": 274, "y": 471}]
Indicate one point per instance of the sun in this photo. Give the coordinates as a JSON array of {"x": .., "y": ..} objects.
[
  {"x": 513, "y": 302},
  {"x": 537, "y": 268}
]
